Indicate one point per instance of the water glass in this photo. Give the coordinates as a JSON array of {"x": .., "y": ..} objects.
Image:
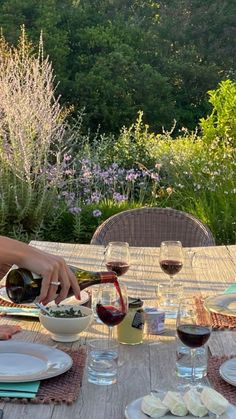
[
  {"x": 102, "y": 361},
  {"x": 168, "y": 297},
  {"x": 95, "y": 291},
  {"x": 183, "y": 362}
]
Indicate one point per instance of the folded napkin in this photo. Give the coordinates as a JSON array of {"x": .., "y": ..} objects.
[
  {"x": 20, "y": 311},
  {"x": 231, "y": 289},
  {"x": 22, "y": 390}
]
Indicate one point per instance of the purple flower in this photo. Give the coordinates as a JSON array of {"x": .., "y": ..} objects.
[
  {"x": 119, "y": 197},
  {"x": 131, "y": 175},
  {"x": 67, "y": 157},
  {"x": 97, "y": 213},
  {"x": 95, "y": 197},
  {"x": 75, "y": 210}
]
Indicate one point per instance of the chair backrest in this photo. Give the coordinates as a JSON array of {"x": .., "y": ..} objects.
[{"x": 150, "y": 226}]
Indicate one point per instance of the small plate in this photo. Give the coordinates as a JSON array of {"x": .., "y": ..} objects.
[
  {"x": 70, "y": 300},
  {"x": 222, "y": 304},
  {"x": 133, "y": 411},
  {"x": 25, "y": 361},
  {"x": 228, "y": 371}
]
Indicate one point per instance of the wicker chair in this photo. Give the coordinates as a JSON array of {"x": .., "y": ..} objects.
[{"x": 150, "y": 226}]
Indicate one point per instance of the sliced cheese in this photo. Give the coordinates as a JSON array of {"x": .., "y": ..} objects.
[
  {"x": 214, "y": 401},
  {"x": 174, "y": 401},
  {"x": 194, "y": 404},
  {"x": 153, "y": 406}
]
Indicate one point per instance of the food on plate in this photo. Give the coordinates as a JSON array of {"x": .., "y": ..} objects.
[
  {"x": 194, "y": 404},
  {"x": 153, "y": 406},
  {"x": 198, "y": 403},
  {"x": 174, "y": 401},
  {"x": 214, "y": 401}
]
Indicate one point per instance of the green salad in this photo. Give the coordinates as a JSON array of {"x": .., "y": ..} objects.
[{"x": 66, "y": 313}]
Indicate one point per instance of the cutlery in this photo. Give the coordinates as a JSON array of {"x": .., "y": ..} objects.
[{"x": 43, "y": 308}]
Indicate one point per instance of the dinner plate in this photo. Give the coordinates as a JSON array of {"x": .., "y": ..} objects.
[
  {"x": 133, "y": 411},
  {"x": 70, "y": 300},
  {"x": 222, "y": 304},
  {"x": 25, "y": 361},
  {"x": 228, "y": 371}
]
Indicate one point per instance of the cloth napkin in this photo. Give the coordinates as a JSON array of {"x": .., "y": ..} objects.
[
  {"x": 231, "y": 289},
  {"x": 20, "y": 311},
  {"x": 22, "y": 390}
]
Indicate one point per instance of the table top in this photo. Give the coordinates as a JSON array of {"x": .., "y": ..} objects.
[{"x": 143, "y": 366}]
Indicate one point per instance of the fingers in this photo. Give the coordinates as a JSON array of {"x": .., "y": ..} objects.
[
  {"x": 61, "y": 274},
  {"x": 7, "y": 331}
]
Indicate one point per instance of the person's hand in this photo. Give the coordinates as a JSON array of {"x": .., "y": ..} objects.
[
  {"x": 6, "y": 331},
  {"x": 54, "y": 272},
  {"x": 53, "y": 269}
]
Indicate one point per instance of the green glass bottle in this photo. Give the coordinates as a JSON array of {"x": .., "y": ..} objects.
[{"x": 22, "y": 286}]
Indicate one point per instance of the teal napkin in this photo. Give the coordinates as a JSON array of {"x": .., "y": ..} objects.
[
  {"x": 20, "y": 311},
  {"x": 231, "y": 289},
  {"x": 27, "y": 390}
]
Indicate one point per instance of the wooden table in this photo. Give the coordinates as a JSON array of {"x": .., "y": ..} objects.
[{"x": 144, "y": 366}]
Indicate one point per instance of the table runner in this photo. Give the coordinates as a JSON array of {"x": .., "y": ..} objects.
[
  {"x": 64, "y": 388},
  {"x": 219, "y": 321},
  {"x": 227, "y": 390}
]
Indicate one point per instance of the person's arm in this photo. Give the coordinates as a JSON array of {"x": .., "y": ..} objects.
[{"x": 52, "y": 268}]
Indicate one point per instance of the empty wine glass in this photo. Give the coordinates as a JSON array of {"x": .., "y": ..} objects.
[
  {"x": 117, "y": 257},
  {"x": 171, "y": 258},
  {"x": 191, "y": 331}
]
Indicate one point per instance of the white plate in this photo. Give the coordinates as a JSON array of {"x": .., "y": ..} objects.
[
  {"x": 25, "y": 361},
  {"x": 70, "y": 300},
  {"x": 133, "y": 411},
  {"x": 228, "y": 371},
  {"x": 222, "y": 304}
]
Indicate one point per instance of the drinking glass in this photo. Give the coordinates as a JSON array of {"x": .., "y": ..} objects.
[
  {"x": 191, "y": 332},
  {"x": 171, "y": 258},
  {"x": 112, "y": 305},
  {"x": 117, "y": 257}
]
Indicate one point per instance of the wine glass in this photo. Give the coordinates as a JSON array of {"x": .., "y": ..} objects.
[
  {"x": 117, "y": 257},
  {"x": 171, "y": 258},
  {"x": 191, "y": 331},
  {"x": 112, "y": 305}
]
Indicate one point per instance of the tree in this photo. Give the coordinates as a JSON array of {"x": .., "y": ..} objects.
[{"x": 116, "y": 57}]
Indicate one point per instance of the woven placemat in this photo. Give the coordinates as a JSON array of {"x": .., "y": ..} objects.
[
  {"x": 64, "y": 388},
  {"x": 219, "y": 321},
  {"x": 6, "y": 303},
  {"x": 227, "y": 390}
]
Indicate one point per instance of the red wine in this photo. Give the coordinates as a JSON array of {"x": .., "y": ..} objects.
[
  {"x": 171, "y": 267},
  {"x": 109, "y": 315},
  {"x": 193, "y": 335},
  {"x": 118, "y": 267}
]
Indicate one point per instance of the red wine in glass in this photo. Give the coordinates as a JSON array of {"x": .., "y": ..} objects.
[
  {"x": 193, "y": 335},
  {"x": 120, "y": 268},
  {"x": 170, "y": 267},
  {"x": 110, "y": 315},
  {"x": 171, "y": 258},
  {"x": 192, "y": 331},
  {"x": 117, "y": 257}
]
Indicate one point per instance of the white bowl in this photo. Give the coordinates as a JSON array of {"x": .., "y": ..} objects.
[{"x": 64, "y": 329}]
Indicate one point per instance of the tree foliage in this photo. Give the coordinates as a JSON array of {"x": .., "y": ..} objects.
[{"x": 116, "y": 57}]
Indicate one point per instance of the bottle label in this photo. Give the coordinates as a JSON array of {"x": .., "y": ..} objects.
[
  {"x": 109, "y": 277},
  {"x": 138, "y": 320}
]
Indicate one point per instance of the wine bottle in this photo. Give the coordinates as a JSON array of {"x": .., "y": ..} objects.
[{"x": 23, "y": 286}]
